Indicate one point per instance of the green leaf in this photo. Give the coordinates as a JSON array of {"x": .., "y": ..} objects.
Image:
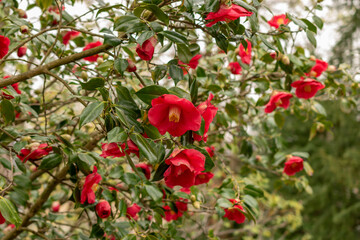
[
  {"x": 310, "y": 25},
  {"x": 279, "y": 119},
  {"x": 9, "y": 212},
  {"x": 318, "y": 22},
  {"x": 120, "y": 65},
  {"x": 44, "y": 4},
  {"x": 176, "y": 73},
  {"x": 130, "y": 24},
  {"x": 224, "y": 203},
  {"x": 318, "y": 108},
  {"x": 93, "y": 83},
  {"x": 297, "y": 21},
  {"x": 148, "y": 93},
  {"x": 159, "y": 173},
  {"x": 245, "y": 5},
  {"x": 308, "y": 169},
  {"x": 209, "y": 163},
  {"x": 154, "y": 192},
  {"x": 51, "y": 161},
  {"x": 145, "y": 36},
  {"x": 117, "y": 134},
  {"x": 222, "y": 42},
  {"x": 253, "y": 191},
  {"x": 155, "y": 10},
  {"x": 7, "y": 110},
  {"x": 311, "y": 37},
  {"x": 184, "y": 53},
  {"x": 97, "y": 231},
  {"x": 175, "y": 37},
  {"x": 91, "y": 112},
  {"x": 267, "y": 43},
  {"x": 112, "y": 40},
  {"x": 212, "y": 5},
  {"x": 145, "y": 148},
  {"x": 159, "y": 73}
]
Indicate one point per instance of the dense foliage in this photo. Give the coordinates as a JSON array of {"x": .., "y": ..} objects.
[{"x": 161, "y": 120}]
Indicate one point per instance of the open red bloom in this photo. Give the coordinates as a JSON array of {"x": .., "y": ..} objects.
[
  {"x": 92, "y": 58},
  {"x": 184, "y": 166},
  {"x": 235, "y": 213},
  {"x": 245, "y": 55},
  {"x": 21, "y": 51},
  {"x": 113, "y": 149},
  {"x": 193, "y": 63},
  {"x": 227, "y": 13},
  {"x": 170, "y": 214},
  {"x": 146, "y": 50},
  {"x": 4, "y": 46},
  {"x": 277, "y": 20},
  {"x": 103, "y": 209},
  {"x": 131, "y": 212},
  {"x": 175, "y": 115},
  {"x": 34, "y": 152},
  {"x": 90, "y": 186},
  {"x": 319, "y": 67},
  {"x": 16, "y": 88},
  {"x": 55, "y": 9},
  {"x": 70, "y": 35},
  {"x": 203, "y": 177},
  {"x": 307, "y": 88},
  {"x": 280, "y": 99},
  {"x": 145, "y": 169},
  {"x": 208, "y": 113},
  {"x": 2, "y": 219},
  {"x": 235, "y": 68},
  {"x": 293, "y": 165},
  {"x": 131, "y": 67},
  {"x": 210, "y": 150}
]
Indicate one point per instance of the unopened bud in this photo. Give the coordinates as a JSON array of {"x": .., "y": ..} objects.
[
  {"x": 55, "y": 206},
  {"x": 237, "y": 51},
  {"x": 22, "y": 13},
  {"x": 258, "y": 158},
  {"x": 24, "y": 29},
  {"x": 279, "y": 56},
  {"x": 285, "y": 60},
  {"x": 84, "y": 75},
  {"x": 193, "y": 198},
  {"x": 99, "y": 60},
  {"x": 26, "y": 138},
  {"x": 67, "y": 137},
  {"x": 313, "y": 74},
  {"x": 331, "y": 68},
  {"x": 197, "y": 204},
  {"x": 33, "y": 168},
  {"x": 106, "y": 56},
  {"x": 312, "y": 58},
  {"x": 273, "y": 55}
]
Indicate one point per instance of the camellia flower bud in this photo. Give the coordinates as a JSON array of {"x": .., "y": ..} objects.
[
  {"x": 312, "y": 58},
  {"x": 24, "y": 29},
  {"x": 320, "y": 127},
  {"x": 21, "y": 51},
  {"x": 99, "y": 60},
  {"x": 55, "y": 206},
  {"x": 103, "y": 209},
  {"x": 67, "y": 137},
  {"x": 84, "y": 75},
  {"x": 26, "y": 138},
  {"x": 273, "y": 55},
  {"x": 331, "y": 68},
  {"x": 197, "y": 204},
  {"x": 193, "y": 198},
  {"x": 22, "y": 13},
  {"x": 285, "y": 60},
  {"x": 105, "y": 56}
]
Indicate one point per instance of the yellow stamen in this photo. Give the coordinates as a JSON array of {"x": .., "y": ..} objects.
[
  {"x": 278, "y": 103},
  {"x": 307, "y": 88},
  {"x": 174, "y": 114},
  {"x": 280, "y": 21},
  {"x": 94, "y": 187}
]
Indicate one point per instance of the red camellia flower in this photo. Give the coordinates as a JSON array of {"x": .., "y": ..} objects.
[
  {"x": 113, "y": 149},
  {"x": 146, "y": 50},
  {"x": 184, "y": 166},
  {"x": 293, "y": 165},
  {"x": 227, "y": 13},
  {"x": 103, "y": 209},
  {"x": 21, "y": 51},
  {"x": 208, "y": 113},
  {"x": 319, "y": 67},
  {"x": 131, "y": 67},
  {"x": 90, "y": 186},
  {"x": 193, "y": 63},
  {"x": 235, "y": 213},
  {"x": 35, "y": 151},
  {"x": 276, "y": 21},
  {"x": 145, "y": 169},
  {"x": 235, "y": 68},
  {"x": 175, "y": 115},
  {"x": 92, "y": 58},
  {"x": 307, "y": 88},
  {"x": 110, "y": 237},
  {"x": 203, "y": 177},
  {"x": 280, "y": 99},
  {"x": 245, "y": 55},
  {"x": 170, "y": 214},
  {"x": 70, "y": 35},
  {"x": 210, "y": 150},
  {"x": 16, "y": 88},
  {"x": 55, "y": 206},
  {"x": 131, "y": 212},
  {"x": 8, "y": 228},
  {"x": 2, "y": 219},
  {"x": 4, "y": 46}
]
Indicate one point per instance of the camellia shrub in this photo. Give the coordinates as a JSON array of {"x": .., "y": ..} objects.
[{"x": 157, "y": 119}]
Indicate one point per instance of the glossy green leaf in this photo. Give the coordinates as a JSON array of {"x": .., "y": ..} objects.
[
  {"x": 91, "y": 112},
  {"x": 8, "y": 211},
  {"x": 148, "y": 93}
]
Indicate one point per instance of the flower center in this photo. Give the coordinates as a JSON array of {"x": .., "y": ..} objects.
[
  {"x": 313, "y": 74},
  {"x": 174, "y": 114},
  {"x": 280, "y": 21},
  {"x": 278, "y": 103},
  {"x": 94, "y": 187},
  {"x": 293, "y": 165},
  {"x": 307, "y": 88}
]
